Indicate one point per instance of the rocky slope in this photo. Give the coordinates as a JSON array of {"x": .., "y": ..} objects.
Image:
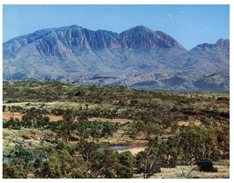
[{"x": 138, "y": 57}]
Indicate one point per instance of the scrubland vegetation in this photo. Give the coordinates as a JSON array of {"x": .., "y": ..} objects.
[{"x": 65, "y": 130}]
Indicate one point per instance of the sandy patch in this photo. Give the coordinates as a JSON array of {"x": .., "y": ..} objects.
[
  {"x": 55, "y": 118},
  {"x": 8, "y": 116},
  {"x": 133, "y": 150}
]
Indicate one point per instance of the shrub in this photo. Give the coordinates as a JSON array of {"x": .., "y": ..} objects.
[
  {"x": 25, "y": 137},
  {"x": 206, "y": 166}
]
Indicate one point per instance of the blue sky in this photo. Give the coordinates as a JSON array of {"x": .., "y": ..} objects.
[{"x": 188, "y": 24}]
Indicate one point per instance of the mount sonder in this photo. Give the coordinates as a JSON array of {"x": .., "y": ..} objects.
[{"x": 138, "y": 58}]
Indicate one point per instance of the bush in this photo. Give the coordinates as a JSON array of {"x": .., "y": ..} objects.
[
  {"x": 11, "y": 170},
  {"x": 206, "y": 166},
  {"x": 25, "y": 137},
  {"x": 123, "y": 171}
]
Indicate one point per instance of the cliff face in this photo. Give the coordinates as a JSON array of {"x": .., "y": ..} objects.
[{"x": 138, "y": 57}]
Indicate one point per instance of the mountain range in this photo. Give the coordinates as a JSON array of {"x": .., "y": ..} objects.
[{"x": 138, "y": 58}]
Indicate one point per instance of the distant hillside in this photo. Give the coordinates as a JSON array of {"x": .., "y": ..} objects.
[{"x": 138, "y": 57}]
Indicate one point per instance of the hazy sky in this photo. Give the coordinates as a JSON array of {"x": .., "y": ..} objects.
[{"x": 188, "y": 24}]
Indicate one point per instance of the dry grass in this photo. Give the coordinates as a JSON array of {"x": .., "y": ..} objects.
[
  {"x": 121, "y": 121},
  {"x": 189, "y": 122},
  {"x": 12, "y": 137},
  {"x": 184, "y": 172}
]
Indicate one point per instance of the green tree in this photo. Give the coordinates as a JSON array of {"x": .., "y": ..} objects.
[
  {"x": 126, "y": 159},
  {"x": 51, "y": 168},
  {"x": 198, "y": 143},
  {"x": 12, "y": 170},
  {"x": 123, "y": 171},
  {"x": 150, "y": 160}
]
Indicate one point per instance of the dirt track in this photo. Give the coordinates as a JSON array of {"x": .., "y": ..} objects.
[{"x": 8, "y": 116}]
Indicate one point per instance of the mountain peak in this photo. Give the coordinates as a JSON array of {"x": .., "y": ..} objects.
[
  {"x": 203, "y": 46},
  {"x": 78, "y": 38},
  {"x": 140, "y": 28},
  {"x": 223, "y": 43},
  {"x": 143, "y": 37},
  {"x": 74, "y": 26}
]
